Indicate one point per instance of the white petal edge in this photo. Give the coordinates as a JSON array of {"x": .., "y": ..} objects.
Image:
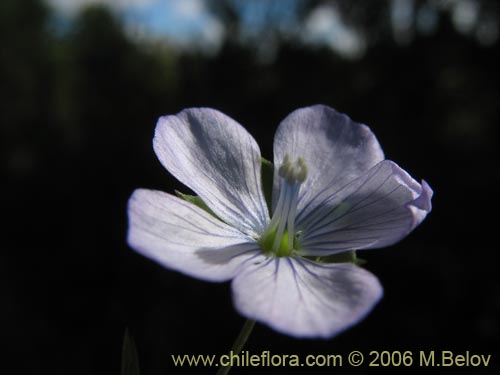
[
  {"x": 218, "y": 159},
  {"x": 376, "y": 210},
  {"x": 335, "y": 149},
  {"x": 181, "y": 236},
  {"x": 306, "y": 299}
]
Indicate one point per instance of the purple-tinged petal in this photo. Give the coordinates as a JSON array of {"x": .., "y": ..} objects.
[
  {"x": 422, "y": 205},
  {"x": 218, "y": 159},
  {"x": 302, "y": 298},
  {"x": 335, "y": 149},
  {"x": 183, "y": 237},
  {"x": 375, "y": 210}
]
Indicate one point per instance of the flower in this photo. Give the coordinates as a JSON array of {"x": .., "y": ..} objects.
[{"x": 333, "y": 191}]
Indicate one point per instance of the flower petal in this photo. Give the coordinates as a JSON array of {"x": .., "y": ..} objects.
[
  {"x": 335, "y": 149},
  {"x": 377, "y": 209},
  {"x": 183, "y": 237},
  {"x": 218, "y": 159},
  {"x": 302, "y": 298}
]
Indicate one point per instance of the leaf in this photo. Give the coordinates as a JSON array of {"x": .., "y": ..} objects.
[{"x": 130, "y": 358}]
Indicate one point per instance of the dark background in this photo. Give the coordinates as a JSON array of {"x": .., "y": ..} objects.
[{"x": 78, "y": 110}]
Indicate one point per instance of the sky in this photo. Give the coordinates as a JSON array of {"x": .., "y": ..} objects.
[
  {"x": 189, "y": 23},
  {"x": 324, "y": 26},
  {"x": 184, "y": 21}
]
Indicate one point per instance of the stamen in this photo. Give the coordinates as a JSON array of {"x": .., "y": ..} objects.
[
  {"x": 291, "y": 215},
  {"x": 280, "y": 233},
  {"x": 282, "y": 223}
]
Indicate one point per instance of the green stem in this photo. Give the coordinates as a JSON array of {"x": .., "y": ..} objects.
[{"x": 242, "y": 338}]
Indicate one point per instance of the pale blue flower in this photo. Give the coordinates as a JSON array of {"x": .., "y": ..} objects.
[{"x": 333, "y": 192}]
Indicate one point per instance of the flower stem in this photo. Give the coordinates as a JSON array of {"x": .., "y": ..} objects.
[{"x": 242, "y": 338}]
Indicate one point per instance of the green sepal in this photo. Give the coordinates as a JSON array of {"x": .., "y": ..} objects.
[
  {"x": 345, "y": 257},
  {"x": 130, "y": 358},
  {"x": 267, "y": 175},
  {"x": 197, "y": 201}
]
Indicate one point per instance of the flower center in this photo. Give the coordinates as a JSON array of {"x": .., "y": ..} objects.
[{"x": 279, "y": 238}]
